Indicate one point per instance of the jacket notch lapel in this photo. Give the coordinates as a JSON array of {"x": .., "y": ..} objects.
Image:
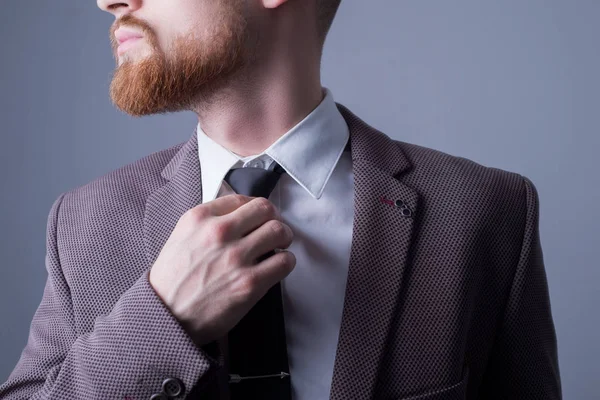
[{"x": 381, "y": 240}]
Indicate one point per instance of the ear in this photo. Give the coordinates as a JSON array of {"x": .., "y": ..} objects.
[{"x": 273, "y": 3}]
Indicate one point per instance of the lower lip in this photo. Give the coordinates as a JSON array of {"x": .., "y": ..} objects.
[{"x": 123, "y": 47}]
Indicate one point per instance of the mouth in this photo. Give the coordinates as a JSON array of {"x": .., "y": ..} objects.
[
  {"x": 127, "y": 44},
  {"x": 126, "y": 38}
]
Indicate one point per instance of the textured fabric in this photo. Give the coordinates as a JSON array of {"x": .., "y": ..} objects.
[
  {"x": 308, "y": 152},
  {"x": 256, "y": 345},
  {"x": 447, "y": 298},
  {"x": 316, "y": 199}
]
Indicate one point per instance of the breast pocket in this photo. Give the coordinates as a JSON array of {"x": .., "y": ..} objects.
[{"x": 456, "y": 391}]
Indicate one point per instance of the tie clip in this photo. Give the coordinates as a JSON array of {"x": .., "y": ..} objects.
[{"x": 235, "y": 378}]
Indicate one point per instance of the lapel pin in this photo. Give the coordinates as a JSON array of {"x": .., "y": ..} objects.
[{"x": 399, "y": 204}]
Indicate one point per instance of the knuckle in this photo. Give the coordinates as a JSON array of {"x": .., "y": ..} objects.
[
  {"x": 265, "y": 206},
  {"x": 198, "y": 213},
  {"x": 277, "y": 227},
  {"x": 250, "y": 282},
  {"x": 237, "y": 280},
  {"x": 240, "y": 200},
  {"x": 234, "y": 256},
  {"x": 220, "y": 231},
  {"x": 245, "y": 285}
]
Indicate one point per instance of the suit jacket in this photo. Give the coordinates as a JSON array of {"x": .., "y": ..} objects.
[{"x": 447, "y": 296}]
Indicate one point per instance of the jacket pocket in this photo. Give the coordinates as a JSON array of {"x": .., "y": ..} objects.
[{"x": 456, "y": 391}]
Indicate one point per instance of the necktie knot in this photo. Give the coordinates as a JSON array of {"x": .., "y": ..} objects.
[{"x": 254, "y": 182}]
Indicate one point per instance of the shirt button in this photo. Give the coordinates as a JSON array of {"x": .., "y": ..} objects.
[
  {"x": 263, "y": 162},
  {"x": 158, "y": 396},
  {"x": 172, "y": 387}
]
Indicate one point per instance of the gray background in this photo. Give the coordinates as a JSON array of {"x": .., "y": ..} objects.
[{"x": 511, "y": 84}]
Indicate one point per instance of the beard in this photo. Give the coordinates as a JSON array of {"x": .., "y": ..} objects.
[{"x": 192, "y": 71}]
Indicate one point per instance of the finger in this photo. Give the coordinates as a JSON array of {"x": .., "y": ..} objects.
[
  {"x": 264, "y": 239},
  {"x": 226, "y": 204},
  {"x": 273, "y": 270},
  {"x": 251, "y": 216}
]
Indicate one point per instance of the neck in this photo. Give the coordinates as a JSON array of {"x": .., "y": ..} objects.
[{"x": 261, "y": 105}]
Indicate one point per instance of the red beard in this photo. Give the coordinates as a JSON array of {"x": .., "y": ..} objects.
[{"x": 194, "y": 70}]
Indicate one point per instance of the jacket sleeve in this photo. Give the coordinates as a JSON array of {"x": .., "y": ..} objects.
[
  {"x": 524, "y": 363},
  {"x": 127, "y": 355}
]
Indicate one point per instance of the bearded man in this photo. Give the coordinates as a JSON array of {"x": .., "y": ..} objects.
[{"x": 286, "y": 250}]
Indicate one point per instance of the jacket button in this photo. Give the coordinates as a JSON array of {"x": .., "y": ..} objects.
[
  {"x": 173, "y": 387},
  {"x": 158, "y": 396}
]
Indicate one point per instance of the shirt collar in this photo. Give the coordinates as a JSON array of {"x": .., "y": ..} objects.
[{"x": 308, "y": 152}]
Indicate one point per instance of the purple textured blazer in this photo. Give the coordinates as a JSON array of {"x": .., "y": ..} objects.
[{"x": 447, "y": 302}]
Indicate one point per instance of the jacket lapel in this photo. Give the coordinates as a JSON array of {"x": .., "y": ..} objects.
[
  {"x": 181, "y": 191},
  {"x": 381, "y": 240}
]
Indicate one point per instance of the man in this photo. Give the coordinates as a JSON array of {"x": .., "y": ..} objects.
[{"x": 400, "y": 272}]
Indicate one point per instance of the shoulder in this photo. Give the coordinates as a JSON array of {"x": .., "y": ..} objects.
[
  {"x": 122, "y": 190},
  {"x": 443, "y": 177}
]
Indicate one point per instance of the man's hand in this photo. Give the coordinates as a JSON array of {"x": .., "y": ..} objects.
[{"x": 207, "y": 272}]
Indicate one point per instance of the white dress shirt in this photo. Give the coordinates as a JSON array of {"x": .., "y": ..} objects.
[{"x": 316, "y": 199}]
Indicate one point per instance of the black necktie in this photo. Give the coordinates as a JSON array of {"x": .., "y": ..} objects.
[{"x": 257, "y": 347}]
